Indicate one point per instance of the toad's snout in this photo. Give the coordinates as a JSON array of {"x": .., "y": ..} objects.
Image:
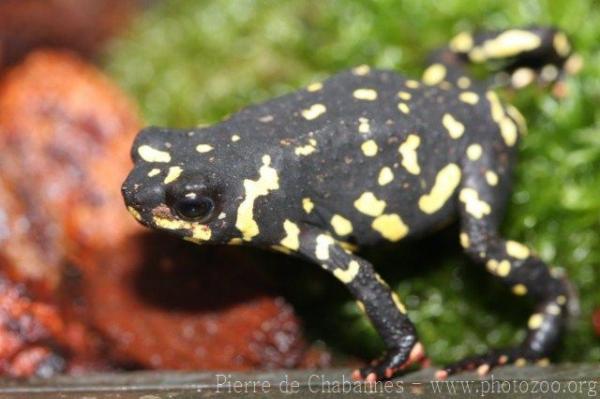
[{"x": 141, "y": 197}]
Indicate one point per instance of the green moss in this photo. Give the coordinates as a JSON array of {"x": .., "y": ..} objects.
[{"x": 189, "y": 62}]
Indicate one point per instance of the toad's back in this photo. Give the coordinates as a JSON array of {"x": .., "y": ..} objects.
[{"x": 372, "y": 145}]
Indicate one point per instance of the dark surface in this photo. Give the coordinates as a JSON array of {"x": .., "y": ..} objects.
[{"x": 580, "y": 379}]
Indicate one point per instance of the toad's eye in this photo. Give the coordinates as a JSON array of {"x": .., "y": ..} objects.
[{"x": 197, "y": 209}]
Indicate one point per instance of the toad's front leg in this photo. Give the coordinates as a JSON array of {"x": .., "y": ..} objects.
[{"x": 381, "y": 304}]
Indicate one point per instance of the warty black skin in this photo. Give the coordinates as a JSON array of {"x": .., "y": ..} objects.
[{"x": 366, "y": 157}]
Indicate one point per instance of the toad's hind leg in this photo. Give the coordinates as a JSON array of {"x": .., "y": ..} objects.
[
  {"x": 374, "y": 296},
  {"x": 526, "y": 55},
  {"x": 515, "y": 265}
]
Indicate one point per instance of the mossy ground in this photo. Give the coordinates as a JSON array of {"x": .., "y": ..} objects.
[{"x": 190, "y": 62}]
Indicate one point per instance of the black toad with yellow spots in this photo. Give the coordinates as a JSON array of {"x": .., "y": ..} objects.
[{"x": 365, "y": 157}]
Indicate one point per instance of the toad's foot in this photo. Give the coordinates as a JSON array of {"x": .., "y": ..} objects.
[
  {"x": 483, "y": 364},
  {"x": 393, "y": 362}
]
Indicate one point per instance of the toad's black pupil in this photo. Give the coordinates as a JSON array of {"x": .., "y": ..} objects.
[{"x": 194, "y": 208}]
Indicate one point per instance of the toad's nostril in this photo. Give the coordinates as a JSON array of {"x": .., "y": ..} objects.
[
  {"x": 145, "y": 197},
  {"x": 126, "y": 190},
  {"x": 138, "y": 193}
]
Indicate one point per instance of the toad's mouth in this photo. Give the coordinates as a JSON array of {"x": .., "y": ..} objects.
[{"x": 163, "y": 219}]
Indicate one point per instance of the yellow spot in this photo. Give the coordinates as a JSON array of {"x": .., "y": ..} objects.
[
  {"x": 369, "y": 148},
  {"x": 365, "y": 94},
  {"x": 544, "y": 362},
  {"x": 491, "y": 178},
  {"x": 385, "y": 176},
  {"x": 390, "y": 226},
  {"x": 399, "y": 305},
  {"x": 495, "y": 106},
  {"x": 446, "y": 182},
  {"x": 314, "y": 111},
  {"x": 341, "y": 225},
  {"x": 454, "y": 127},
  {"x": 171, "y": 224},
  {"x": 268, "y": 181},
  {"x": 492, "y": 265},
  {"x": 314, "y": 86},
  {"x": 522, "y": 77},
  {"x": 508, "y": 130},
  {"x": 134, "y": 213},
  {"x": 408, "y": 151},
  {"x": 368, "y": 204},
  {"x": 307, "y": 205},
  {"x": 503, "y": 268},
  {"x": 413, "y": 84},
  {"x": 561, "y": 44},
  {"x": 574, "y": 64},
  {"x": 322, "y": 248},
  {"x": 461, "y": 43},
  {"x": 174, "y": 173},
  {"x": 473, "y": 205},
  {"x": 561, "y": 299},
  {"x": 403, "y": 108},
  {"x": 347, "y": 275},
  {"x": 348, "y": 247},
  {"x": 519, "y": 289},
  {"x": 465, "y": 242},
  {"x": 361, "y": 306},
  {"x": 518, "y": 117},
  {"x": 549, "y": 73},
  {"x": 477, "y": 55},
  {"x": 235, "y": 241},
  {"x": 520, "y": 362},
  {"x": 282, "y": 249},
  {"x": 304, "y": 150},
  {"x": 200, "y": 232},
  {"x": 153, "y": 172},
  {"x": 361, "y": 70},
  {"x": 463, "y": 82},
  {"x": 434, "y": 74},
  {"x": 535, "y": 321},
  {"x": 150, "y": 154},
  {"x": 510, "y": 43},
  {"x": 469, "y": 97},
  {"x": 203, "y": 148},
  {"x": 266, "y": 118},
  {"x": 474, "y": 152},
  {"x": 364, "y": 126},
  {"x": 404, "y": 95},
  {"x": 517, "y": 250},
  {"x": 291, "y": 240},
  {"x": 235, "y": 138},
  {"x": 553, "y": 309}
]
